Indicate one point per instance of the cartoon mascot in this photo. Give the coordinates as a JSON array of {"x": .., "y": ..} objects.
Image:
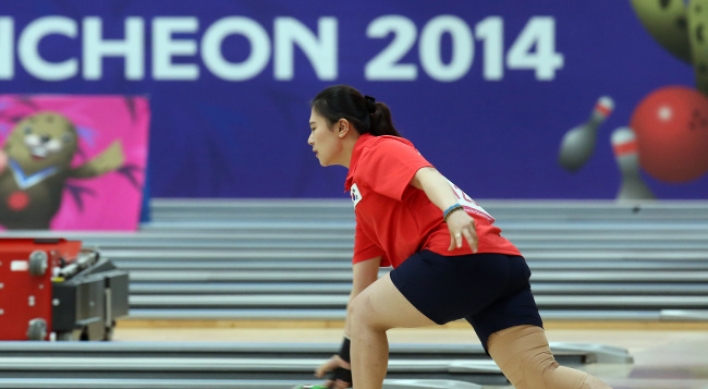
[{"x": 37, "y": 157}]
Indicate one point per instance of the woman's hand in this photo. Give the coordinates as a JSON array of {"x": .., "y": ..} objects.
[
  {"x": 331, "y": 365},
  {"x": 462, "y": 228}
]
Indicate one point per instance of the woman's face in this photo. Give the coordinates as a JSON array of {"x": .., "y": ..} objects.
[{"x": 325, "y": 140}]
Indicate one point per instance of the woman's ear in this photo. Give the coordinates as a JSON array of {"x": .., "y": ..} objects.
[{"x": 343, "y": 127}]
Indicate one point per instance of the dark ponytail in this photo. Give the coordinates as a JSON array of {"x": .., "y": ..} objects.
[{"x": 366, "y": 114}]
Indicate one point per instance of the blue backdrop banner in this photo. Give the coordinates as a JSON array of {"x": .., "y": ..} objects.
[{"x": 488, "y": 91}]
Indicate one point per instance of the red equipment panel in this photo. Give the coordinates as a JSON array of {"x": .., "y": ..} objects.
[{"x": 26, "y": 267}]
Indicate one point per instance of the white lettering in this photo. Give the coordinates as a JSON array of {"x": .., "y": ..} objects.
[
  {"x": 164, "y": 47},
  {"x": 385, "y": 65},
  {"x": 535, "y": 48},
  {"x": 175, "y": 55},
  {"x": 95, "y": 48},
  {"x": 462, "y": 48},
  {"x": 7, "y": 38},
  {"x": 491, "y": 32},
  {"x": 28, "y": 48},
  {"x": 322, "y": 54},
  {"x": 215, "y": 61}
]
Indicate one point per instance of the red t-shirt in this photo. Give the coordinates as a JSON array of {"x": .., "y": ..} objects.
[{"x": 394, "y": 220}]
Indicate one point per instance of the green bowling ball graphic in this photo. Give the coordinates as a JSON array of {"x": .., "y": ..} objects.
[
  {"x": 666, "y": 22},
  {"x": 698, "y": 37}
]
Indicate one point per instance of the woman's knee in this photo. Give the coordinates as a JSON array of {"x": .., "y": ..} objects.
[{"x": 360, "y": 313}]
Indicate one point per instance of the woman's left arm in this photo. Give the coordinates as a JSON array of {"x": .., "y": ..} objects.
[{"x": 440, "y": 193}]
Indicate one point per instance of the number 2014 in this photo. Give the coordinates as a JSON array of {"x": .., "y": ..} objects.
[{"x": 534, "y": 48}]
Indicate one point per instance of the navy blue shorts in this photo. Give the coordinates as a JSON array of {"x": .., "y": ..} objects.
[{"x": 490, "y": 291}]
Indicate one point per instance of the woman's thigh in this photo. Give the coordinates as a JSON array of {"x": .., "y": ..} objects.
[
  {"x": 430, "y": 289},
  {"x": 382, "y": 306}
]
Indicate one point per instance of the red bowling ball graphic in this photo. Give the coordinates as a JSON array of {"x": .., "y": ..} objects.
[{"x": 671, "y": 125}]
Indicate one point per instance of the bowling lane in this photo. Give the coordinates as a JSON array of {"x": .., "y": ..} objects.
[{"x": 663, "y": 359}]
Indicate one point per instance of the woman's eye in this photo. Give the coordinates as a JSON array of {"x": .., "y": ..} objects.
[
  {"x": 67, "y": 138},
  {"x": 28, "y": 130}
]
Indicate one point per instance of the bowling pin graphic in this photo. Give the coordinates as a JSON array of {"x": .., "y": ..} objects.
[
  {"x": 578, "y": 143},
  {"x": 632, "y": 187}
]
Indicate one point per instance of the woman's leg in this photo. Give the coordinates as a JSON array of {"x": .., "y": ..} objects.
[
  {"x": 523, "y": 355},
  {"x": 374, "y": 311}
]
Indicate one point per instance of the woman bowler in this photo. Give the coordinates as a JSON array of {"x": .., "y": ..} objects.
[{"x": 449, "y": 259}]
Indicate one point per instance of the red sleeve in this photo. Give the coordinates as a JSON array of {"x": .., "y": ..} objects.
[
  {"x": 389, "y": 167},
  {"x": 365, "y": 249}
]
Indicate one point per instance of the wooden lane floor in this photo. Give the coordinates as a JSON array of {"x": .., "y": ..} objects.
[{"x": 665, "y": 357}]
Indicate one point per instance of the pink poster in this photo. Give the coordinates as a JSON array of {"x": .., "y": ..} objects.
[{"x": 72, "y": 162}]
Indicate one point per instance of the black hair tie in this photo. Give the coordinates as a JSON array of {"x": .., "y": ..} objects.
[{"x": 370, "y": 104}]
